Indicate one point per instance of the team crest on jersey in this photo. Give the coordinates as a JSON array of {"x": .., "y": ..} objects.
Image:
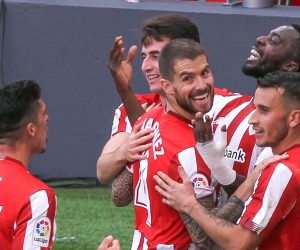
[
  {"x": 116, "y": 121},
  {"x": 199, "y": 182},
  {"x": 42, "y": 229},
  {"x": 251, "y": 130}
]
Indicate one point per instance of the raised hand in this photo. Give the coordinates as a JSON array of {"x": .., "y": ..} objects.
[
  {"x": 202, "y": 128},
  {"x": 121, "y": 68},
  {"x": 212, "y": 151}
]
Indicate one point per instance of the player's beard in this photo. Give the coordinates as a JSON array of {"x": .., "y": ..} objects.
[
  {"x": 183, "y": 104},
  {"x": 261, "y": 69}
]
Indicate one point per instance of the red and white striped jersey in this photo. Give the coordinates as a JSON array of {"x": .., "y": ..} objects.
[
  {"x": 27, "y": 209},
  {"x": 158, "y": 226},
  {"x": 234, "y": 111},
  {"x": 273, "y": 210},
  {"x": 121, "y": 122}
]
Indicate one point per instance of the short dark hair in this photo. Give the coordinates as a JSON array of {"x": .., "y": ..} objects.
[
  {"x": 170, "y": 26},
  {"x": 289, "y": 81},
  {"x": 18, "y": 105},
  {"x": 296, "y": 46},
  {"x": 175, "y": 50}
]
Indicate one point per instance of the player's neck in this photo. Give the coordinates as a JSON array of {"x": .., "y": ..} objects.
[
  {"x": 163, "y": 101},
  {"x": 292, "y": 138},
  {"x": 17, "y": 152},
  {"x": 174, "y": 107}
]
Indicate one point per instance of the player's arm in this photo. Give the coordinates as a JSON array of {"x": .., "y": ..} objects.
[
  {"x": 112, "y": 158},
  {"x": 121, "y": 190},
  {"x": 181, "y": 197},
  {"x": 121, "y": 69},
  {"x": 35, "y": 226},
  {"x": 121, "y": 149},
  {"x": 212, "y": 153},
  {"x": 230, "y": 211}
]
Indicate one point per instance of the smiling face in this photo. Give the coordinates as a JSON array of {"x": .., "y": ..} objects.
[
  {"x": 270, "y": 118},
  {"x": 192, "y": 87},
  {"x": 272, "y": 52},
  {"x": 150, "y": 68}
]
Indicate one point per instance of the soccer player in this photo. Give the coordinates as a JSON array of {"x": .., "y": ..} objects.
[
  {"x": 188, "y": 88},
  {"x": 156, "y": 33},
  {"x": 27, "y": 205},
  {"x": 271, "y": 215}
]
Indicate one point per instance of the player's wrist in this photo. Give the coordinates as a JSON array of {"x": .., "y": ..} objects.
[
  {"x": 210, "y": 154},
  {"x": 224, "y": 174}
]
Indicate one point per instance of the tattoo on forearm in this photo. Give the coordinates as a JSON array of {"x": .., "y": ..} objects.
[
  {"x": 121, "y": 189},
  {"x": 228, "y": 214},
  {"x": 225, "y": 216},
  {"x": 199, "y": 237}
]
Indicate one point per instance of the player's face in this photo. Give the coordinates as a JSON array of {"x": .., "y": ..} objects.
[
  {"x": 193, "y": 85},
  {"x": 270, "y": 118},
  {"x": 41, "y": 125},
  {"x": 271, "y": 52},
  {"x": 150, "y": 68}
]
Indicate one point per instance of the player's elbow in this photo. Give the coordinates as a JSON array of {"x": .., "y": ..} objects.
[
  {"x": 102, "y": 176},
  {"x": 121, "y": 198},
  {"x": 120, "y": 201}
]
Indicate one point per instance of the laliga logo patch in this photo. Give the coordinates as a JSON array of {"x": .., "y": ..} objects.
[
  {"x": 199, "y": 181},
  {"x": 42, "y": 229},
  {"x": 251, "y": 130}
]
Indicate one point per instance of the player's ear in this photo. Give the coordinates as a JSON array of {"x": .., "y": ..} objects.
[
  {"x": 291, "y": 66},
  {"x": 30, "y": 130},
  {"x": 294, "y": 118},
  {"x": 167, "y": 86}
]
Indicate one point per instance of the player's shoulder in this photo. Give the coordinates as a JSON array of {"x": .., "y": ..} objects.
[
  {"x": 148, "y": 97},
  {"x": 154, "y": 113},
  {"x": 224, "y": 92}
]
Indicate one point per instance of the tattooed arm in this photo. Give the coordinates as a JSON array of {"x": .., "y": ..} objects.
[
  {"x": 230, "y": 211},
  {"x": 121, "y": 189},
  {"x": 224, "y": 233},
  {"x": 198, "y": 236}
]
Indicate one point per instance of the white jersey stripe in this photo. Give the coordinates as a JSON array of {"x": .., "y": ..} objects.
[
  {"x": 137, "y": 236},
  {"x": 128, "y": 125},
  {"x": 241, "y": 129},
  {"x": 39, "y": 207},
  {"x": 187, "y": 159},
  {"x": 229, "y": 118},
  {"x": 276, "y": 186},
  {"x": 220, "y": 102}
]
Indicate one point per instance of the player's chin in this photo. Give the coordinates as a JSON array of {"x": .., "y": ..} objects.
[{"x": 202, "y": 107}]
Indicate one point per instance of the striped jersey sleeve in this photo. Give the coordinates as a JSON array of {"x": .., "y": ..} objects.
[
  {"x": 273, "y": 198},
  {"x": 35, "y": 226},
  {"x": 121, "y": 121}
]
